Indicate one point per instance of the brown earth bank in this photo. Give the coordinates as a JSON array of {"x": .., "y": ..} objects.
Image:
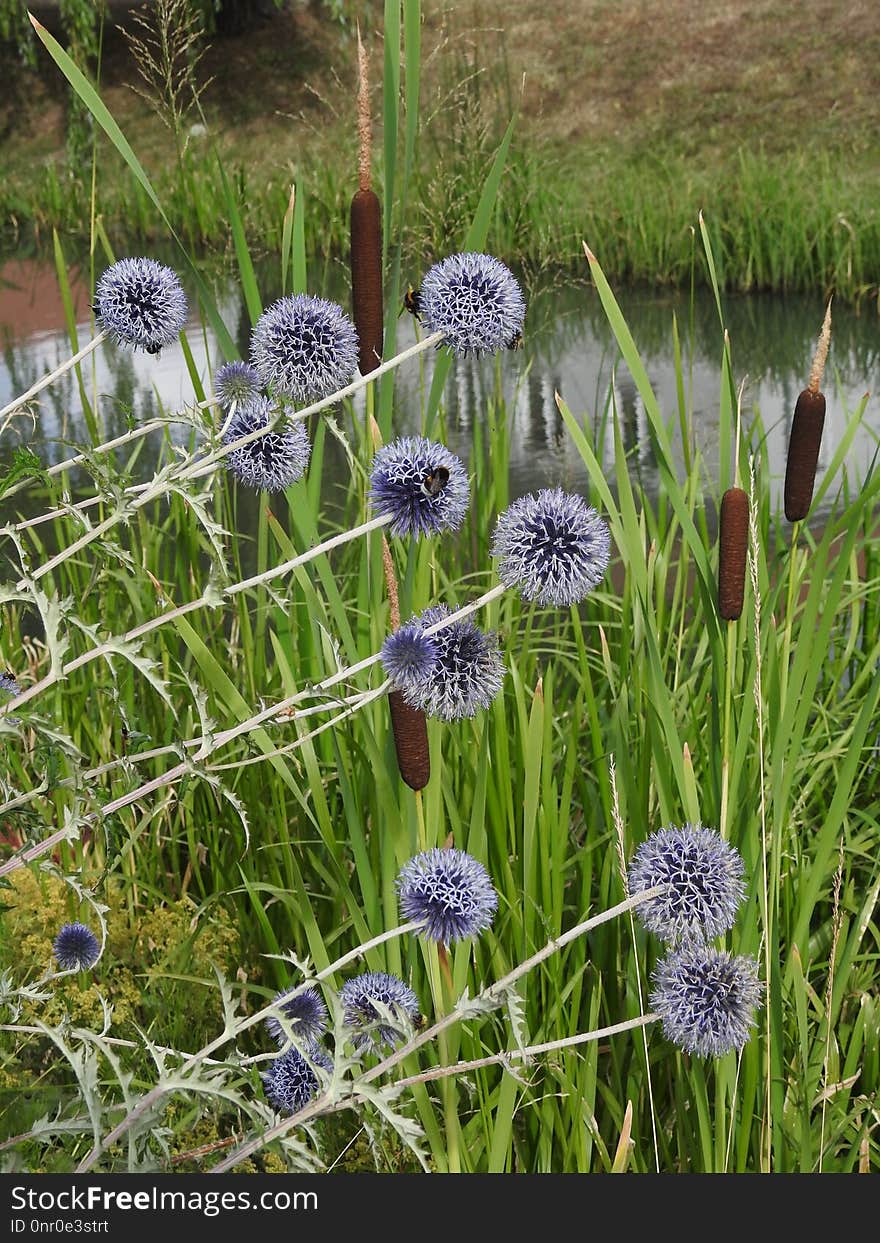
[{"x": 698, "y": 77}]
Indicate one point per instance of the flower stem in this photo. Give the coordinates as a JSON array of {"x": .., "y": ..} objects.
[
  {"x": 54, "y": 375},
  {"x": 518, "y": 1055}
]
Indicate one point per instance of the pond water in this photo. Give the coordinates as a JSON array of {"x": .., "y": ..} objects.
[{"x": 568, "y": 348}]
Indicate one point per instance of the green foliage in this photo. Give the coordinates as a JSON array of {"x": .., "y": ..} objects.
[{"x": 638, "y": 705}]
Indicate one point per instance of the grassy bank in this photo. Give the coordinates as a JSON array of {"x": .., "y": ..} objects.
[{"x": 768, "y": 124}]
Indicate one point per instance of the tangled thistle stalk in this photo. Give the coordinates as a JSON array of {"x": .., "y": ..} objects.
[
  {"x": 279, "y": 459},
  {"x": 488, "y": 998},
  {"x": 204, "y": 746}
]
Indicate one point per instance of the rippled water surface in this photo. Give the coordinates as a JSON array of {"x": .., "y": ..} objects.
[{"x": 568, "y": 348}]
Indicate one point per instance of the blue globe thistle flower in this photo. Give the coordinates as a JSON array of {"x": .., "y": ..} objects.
[
  {"x": 467, "y": 672},
  {"x": 305, "y": 348},
  {"x": 236, "y": 382},
  {"x": 306, "y": 1015},
  {"x": 273, "y": 461},
  {"x": 450, "y": 892},
  {"x": 409, "y": 655},
  {"x": 706, "y": 998},
  {"x": 76, "y": 947},
  {"x": 8, "y": 684},
  {"x": 141, "y": 303},
  {"x": 554, "y": 547},
  {"x": 290, "y": 1082},
  {"x": 475, "y": 301},
  {"x": 705, "y": 878},
  {"x": 358, "y": 996},
  {"x": 421, "y": 485}
]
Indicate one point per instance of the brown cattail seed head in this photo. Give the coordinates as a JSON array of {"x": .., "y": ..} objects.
[
  {"x": 366, "y": 277},
  {"x": 411, "y": 741},
  {"x": 732, "y": 544},
  {"x": 803, "y": 454}
]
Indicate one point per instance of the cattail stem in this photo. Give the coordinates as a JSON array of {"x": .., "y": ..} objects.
[
  {"x": 733, "y": 541},
  {"x": 54, "y": 375}
]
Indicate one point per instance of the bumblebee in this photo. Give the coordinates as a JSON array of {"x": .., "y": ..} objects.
[
  {"x": 412, "y": 302},
  {"x": 435, "y": 481},
  {"x": 516, "y": 341}
]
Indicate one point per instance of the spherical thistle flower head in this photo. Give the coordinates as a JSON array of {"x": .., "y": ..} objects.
[
  {"x": 408, "y": 656},
  {"x": 306, "y": 1016},
  {"x": 705, "y": 878},
  {"x": 554, "y": 547},
  {"x": 290, "y": 1082},
  {"x": 141, "y": 303},
  {"x": 706, "y": 998},
  {"x": 273, "y": 461},
  {"x": 420, "y": 485},
  {"x": 467, "y": 672},
  {"x": 76, "y": 948},
  {"x": 358, "y": 997},
  {"x": 475, "y": 301},
  {"x": 449, "y": 892},
  {"x": 8, "y": 685},
  {"x": 305, "y": 348},
  {"x": 236, "y": 382}
]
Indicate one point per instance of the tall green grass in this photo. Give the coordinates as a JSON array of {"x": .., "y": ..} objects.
[
  {"x": 784, "y": 222},
  {"x": 642, "y": 681}
]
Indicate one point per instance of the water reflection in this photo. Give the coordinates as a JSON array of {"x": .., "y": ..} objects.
[{"x": 569, "y": 348}]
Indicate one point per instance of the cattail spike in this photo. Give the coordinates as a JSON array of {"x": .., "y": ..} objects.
[
  {"x": 391, "y": 583},
  {"x": 732, "y": 544},
  {"x": 806, "y": 433},
  {"x": 366, "y": 238},
  {"x": 364, "y": 122},
  {"x": 819, "y": 358},
  {"x": 803, "y": 454},
  {"x": 411, "y": 740}
]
